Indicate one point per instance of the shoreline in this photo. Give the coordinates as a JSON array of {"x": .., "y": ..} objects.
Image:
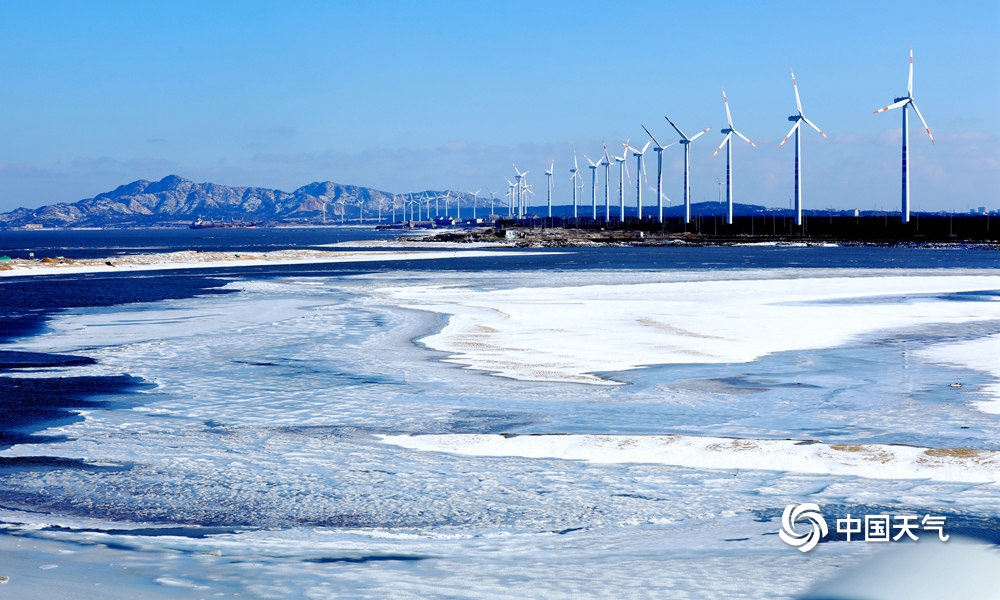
[
  {"x": 558, "y": 237},
  {"x": 193, "y": 259}
]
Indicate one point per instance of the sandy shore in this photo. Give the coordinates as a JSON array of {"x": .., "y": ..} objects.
[{"x": 191, "y": 259}]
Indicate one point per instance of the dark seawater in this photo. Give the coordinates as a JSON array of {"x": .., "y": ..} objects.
[{"x": 30, "y": 404}]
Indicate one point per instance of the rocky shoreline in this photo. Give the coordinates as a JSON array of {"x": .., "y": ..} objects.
[{"x": 570, "y": 238}]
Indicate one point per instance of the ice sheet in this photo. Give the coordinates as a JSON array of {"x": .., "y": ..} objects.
[
  {"x": 274, "y": 406},
  {"x": 983, "y": 355},
  {"x": 575, "y": 333},
  {"x": 874, "y": 461}
]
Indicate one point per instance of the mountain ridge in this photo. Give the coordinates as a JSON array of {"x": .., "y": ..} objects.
[{"x": 174, "y": 200}]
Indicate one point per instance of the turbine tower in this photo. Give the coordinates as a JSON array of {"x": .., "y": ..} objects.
[
  {"x": 659, "y": 148},
  {"x": 904, "y": 103},
  {"x": 593, "y": 183},
  {"x": 548, "y": 176},
  {"x": 639, "y": 171},
  {"x": 510, "y": 197},
  {"x": 728, "y": 143},
  {"x": 606, "y": 161},
  {"x": 686, "y": 142},
  {"x": 622, "y": 171},
  {"x": 798, "y": 119}
]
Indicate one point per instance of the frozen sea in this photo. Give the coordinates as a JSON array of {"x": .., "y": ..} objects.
[{"x": 585, "y": 423}]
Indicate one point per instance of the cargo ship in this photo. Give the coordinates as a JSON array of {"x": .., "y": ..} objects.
[{"x": 200, "y": 223}]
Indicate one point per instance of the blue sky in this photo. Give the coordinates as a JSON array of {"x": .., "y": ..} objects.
[{"x": 406, "y": 96}]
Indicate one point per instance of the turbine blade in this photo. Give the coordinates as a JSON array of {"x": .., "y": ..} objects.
[
  {"x": 790, "y": 132},
  {"x": 745, "y": 138},
  {"x": 909, "y": 82},
  {"x": 677, "y": 129},
  {"x": 698, "y": 135},
  {"x": 724, "y": 140},
  {"x": 725, "y": 101},
  {"x": 902, "y": 102},
  {"x": 926, "y": 128},
  {"x": 798, "y": 102},
  {"x": 646, "y": 147},
  {"x": 813, "y": 125},
  {"x": 658, "y": 145}
]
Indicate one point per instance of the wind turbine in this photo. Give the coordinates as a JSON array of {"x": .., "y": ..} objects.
[
  {"x": 520, "y": 187},
  {"x": 622, "y": 171},
  {"x": 728, "y": 143},
  {"x": 574, "y": 175},
  {"x": 659, "y": 148},
  {"x": 686, "y": 142},
  {"x": 548, "y": 176},
  {"x": 593, "y": 183},
  {"x": 639, "y": 171},
  {"x": 475, "y": 199},
  {"x": 904, "y": 103},
  {"x": 798, "y": 119},
  {"x": 529, "y": 193}
]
